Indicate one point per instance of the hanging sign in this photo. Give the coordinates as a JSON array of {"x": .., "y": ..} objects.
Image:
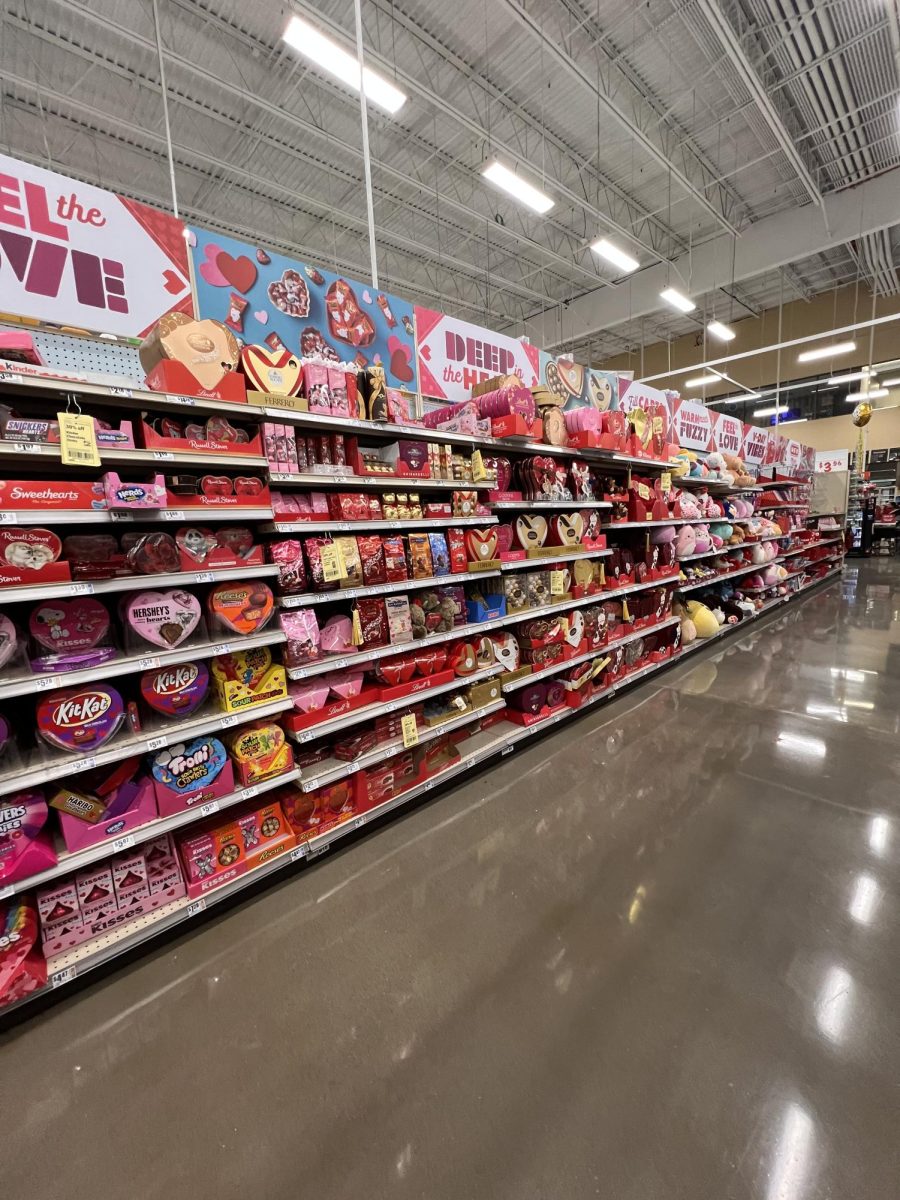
[
  {"x": 454, "y": 355},
  {"x": 832, "y": 460},
  {"x": 77, "y": 440},
  {"x": 756, "y": 444},
  {"x": 641, "y": 395},
  {"x": 692, "y": 425},
  {"x": 727, "y": 434},
  {"x": 74, "y": 254},
  {"x": 268, "y": 298}
]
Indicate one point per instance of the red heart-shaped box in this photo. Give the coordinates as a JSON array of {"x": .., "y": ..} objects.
[
  {"x": 275, "y": 371},
  {"x": 216, "y": 485},
  {"x": 247, "y": 485}
]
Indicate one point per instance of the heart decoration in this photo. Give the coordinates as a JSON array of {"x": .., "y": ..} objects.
[
  {"x": 209, "y": 269},
  {"x": 347, "y": 684},
  {"x": 399, "y": 366},
  {"x": 290, "y": 294},
  {"x": 506, "y": 650},
  {"x": 567, "y": 529},
  {"x": 462, "y": 658},
  {"x": 275, "y": 371},
  {"x": 239, "y": 272},
  {"x": 248, "y": 485},
  {"x": 177, "y": 690},
  {"x": 583, "y": 572},
  {"x": 163, "y": 618},
  {"x": 238, "y": 539},
  {"x": 574, "y": 634},
  {"x": 244, "y": 608},
  {"x": 308, "y": 697},
  {"x": 207, "y": 348},
  {"x": 481, "y": 544},
  {"x": 531, "y": 530},
  {"x": 431, "y": 661},
  {"x": 80, "y": 718},
  {"x": 397, "y": 670},
  {"x": 347, "y": 322},
  {"x": 172, "y": 282},
  {"x": 262, "y": 316},
  {"x": 69, "y": 626},
  {"x": 29, "y": 549},
  {"x": 484, "y": 652}
]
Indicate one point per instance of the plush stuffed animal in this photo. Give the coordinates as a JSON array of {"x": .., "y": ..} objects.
[
  {"x": 685, "y": 542},
  {"x": 688, "y": 629},
  {"x": 680, "y": 465},
  {"x": 717, "y": 466},
  {"x": 704, "y": 621},
  {"x": 758, "y": 553},
  {"x": 736, "y": 468},
  {"x": 661, "y": 535},
  {"x": 687, "y": 506},
  {"x": 721, "y": 533},
  {"x": 702, "y": 542}
]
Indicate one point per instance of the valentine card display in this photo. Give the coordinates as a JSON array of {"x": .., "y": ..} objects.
[
  {"x": 79, "y": 719},
  {"x": 454, "y": 355},
  {"x": 163, "y": 619},
  {"x": 118, "y": 272},
  {"x": 306, "y": 311},
  {"x": 572, "y": 386}
]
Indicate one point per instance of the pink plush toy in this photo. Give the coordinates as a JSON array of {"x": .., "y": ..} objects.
[
  {"x": 689, "y": 506},
  {"x": 685, "y": 542},
  {"x": 662, "y": 534},
  {"x": 702, "y": 542}
]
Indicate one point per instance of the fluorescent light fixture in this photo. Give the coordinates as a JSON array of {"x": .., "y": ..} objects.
[
  {"x": 796, "y": 421},
  {"x": 326, "y": 54},
  {"x": 852, "y": 377},
  {"x": 702, "y": 380},
  {"x": 742, "y": 399},
  {"x": 677, "y": 300},
  {"x": 826, "y": 351},
  {"x": 891, "y": 382},
  {"x": 614, "y": 255},
  {"x": 720, "y": 331},
  {"x": 770, "y": 410},
  {"x": 519, "y": 188},
  {"x": 875, "y": 394}
]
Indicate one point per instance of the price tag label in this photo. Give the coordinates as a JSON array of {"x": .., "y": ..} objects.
[
  {"x": 190, "y": 400},
  {"x": 665, "y": 481},
  {"x": 9, "y": 518},
  {"x": 77, "y": 440},
  {"x": 58, "y": 978},
  {"x": 342, "y": 525},
  {"x": 643, "y": 491},
  {"x": 88, "y": 764},
  {"x": 204, "y": 576},
  {"x": 195, "y": 907},
  {"x": 125, "y": 393},
  {"x": 207, "y": 810},
  {"x": 171, "y": 514},
  {"x": 157, "y": 743},
  {"x": 123, "y": 843},
  {"x": 81, "y": 589},
  {"x": 359, "y": 822},
  {"x": 333, "y": 567},
  {"x": 248, "y": 793},
  {"x": 506, "y": 750},
  {"x": 557, "y": 583},
  {"x": 28, "y": 448},
  {"x": 163, "y": 456},
  {"x": 410, "y": 730},
  {"x": 10, "y": 377},
  {"x": 227, "y": 722},
  {"x": 44, "y": 685},
  {"x": 148, "y": 664},
  {"x": 221, "y": 648},
  {"x": 299, "y": 852},
  {"x": 121, "y": 516}
]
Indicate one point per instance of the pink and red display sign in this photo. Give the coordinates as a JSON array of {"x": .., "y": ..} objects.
[
  {"x": 692, "y": 425},
  {"x": 74, "y": 254},
  {"x": 633, "y": 394},
  {"x": 727, "y": 434},
  {"x": 756, "y": 445},
  {"x": 453, "y": 355}
]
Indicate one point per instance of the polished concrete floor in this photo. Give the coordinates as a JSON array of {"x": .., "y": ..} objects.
[{"x": 655, "y": 956}]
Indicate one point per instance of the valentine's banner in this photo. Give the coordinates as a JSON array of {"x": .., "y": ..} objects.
[
  {"x": 791, "y": 455},
  {"x": 577, "y": 386},
  {"x": 692, "y": 425},
  {"x": 756, "y": 442},
  {"x": 74, "y": 254},
  {"x": 633, "y": 394},
  {"x": 267, "y": 298},
  {"x": 727, "y": 434},
  {"x": 454, "y": 355}
]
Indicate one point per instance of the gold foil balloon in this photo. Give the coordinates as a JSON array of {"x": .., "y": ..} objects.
[{"x": 862, "y": 414}]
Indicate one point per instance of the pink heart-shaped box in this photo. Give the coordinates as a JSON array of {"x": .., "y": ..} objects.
[
  {"x": 346, "y": 684},
  {"x": 308, "y": 697},
  {"x": 163, "y": 618},
  {"x": 65, "y": 626}
]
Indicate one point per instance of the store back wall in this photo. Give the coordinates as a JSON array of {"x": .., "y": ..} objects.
[{"x": 839, "y": 433}]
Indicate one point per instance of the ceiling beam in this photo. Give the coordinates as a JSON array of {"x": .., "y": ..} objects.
[{"x": 767, "y": 245}]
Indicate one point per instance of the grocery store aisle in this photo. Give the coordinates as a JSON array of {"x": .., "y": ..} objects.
[{"x": 652, "y": 956}]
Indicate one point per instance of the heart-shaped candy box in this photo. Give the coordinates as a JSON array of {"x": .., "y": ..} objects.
[
  {"x": 80, "y": 718},
  {"x": 69, "y": 626},
  {"x": 162, "y": 618},
  {"x": 176, "y": 690},
  {"x": 244, "y": 608}
]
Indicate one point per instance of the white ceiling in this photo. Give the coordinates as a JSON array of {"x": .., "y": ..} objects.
[{"x": 663, "y": 125}]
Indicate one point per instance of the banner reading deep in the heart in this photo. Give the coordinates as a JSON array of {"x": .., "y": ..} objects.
[
  {"x": 454, "y": 355},
  {"x": 74, "y": 254},
  {"x": 267, "y": 298}
]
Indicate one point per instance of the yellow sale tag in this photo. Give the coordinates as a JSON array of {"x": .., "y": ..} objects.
[
  {"x": 557, "y": 583},
  {"x": 479, "y": 472},
  {"x": 77, "y": 440},
  {"x": 626, "y": 614},
  {"x": 665, "y": 481},
  {"x": 643, "y": 491},
  {"x": 410, "y": 730},
  {"x": 333, "y": 567},
  {"x": 657, "y": 425}
]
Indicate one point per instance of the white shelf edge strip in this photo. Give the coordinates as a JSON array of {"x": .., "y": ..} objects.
[
  {"x": 302, "y": 599},
  {"x": 132, "y": 583}
]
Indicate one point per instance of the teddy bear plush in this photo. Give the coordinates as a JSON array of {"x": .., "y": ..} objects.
[
  {"x": 717, "y": 468},
  {"x": 735, "y": 466}
]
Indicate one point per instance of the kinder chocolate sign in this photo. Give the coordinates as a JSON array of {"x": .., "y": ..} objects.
[
  {"x": 74, "y": 254},
  {"x": 727, "y": 434},
  {"x": 692, "y": 425},
  {"x": 454, "y": 355}
]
